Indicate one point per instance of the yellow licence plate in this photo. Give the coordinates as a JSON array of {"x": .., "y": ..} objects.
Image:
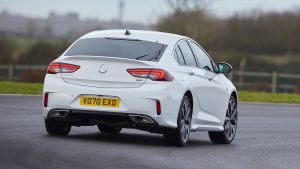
[{"x": 99, "y": 101}]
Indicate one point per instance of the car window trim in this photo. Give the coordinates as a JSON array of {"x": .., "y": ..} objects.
[
  {"x": 175, "y": 53},
  {"x": 196, "y": 60},
  {"x": 214, "y": 71},
  {"x": 184, "y": 64},
  {"x": 183, "y": 55}
]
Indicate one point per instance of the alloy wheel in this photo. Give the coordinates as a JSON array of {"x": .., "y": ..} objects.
[
  {"x": 185, "y": 120},
  {"x": 230, "y": 124}
]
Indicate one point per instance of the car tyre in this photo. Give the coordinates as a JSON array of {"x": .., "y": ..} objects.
[
  {"x": 54, "y": 127},
  {"x": 230, "y": 125},
  {"x": 179, "y": 136},
  {"x": 109, "y": 129}
]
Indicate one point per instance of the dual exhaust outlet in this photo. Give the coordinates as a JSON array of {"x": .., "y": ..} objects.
[
  {"x": 59, "y": 113},
  {"x": 141, "y": 119}
]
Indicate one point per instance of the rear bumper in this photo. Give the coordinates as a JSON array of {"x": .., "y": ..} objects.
[
  {"x": 134, "y": 101},
  {"x": 88, "y": 118}
]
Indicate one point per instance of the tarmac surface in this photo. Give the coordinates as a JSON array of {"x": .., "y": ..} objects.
[{"x": 268, "y": 138}]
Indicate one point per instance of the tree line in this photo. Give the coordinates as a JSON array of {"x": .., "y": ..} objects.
[
  {"x": 40, "y": 52},
  {"x": 270, "y": 39},
  {"x": 267, "y": 41}
]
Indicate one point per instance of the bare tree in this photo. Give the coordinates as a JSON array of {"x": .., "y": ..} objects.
[
  {"x": 189, "y": 18},
  {"x": 176, "y": 5}
]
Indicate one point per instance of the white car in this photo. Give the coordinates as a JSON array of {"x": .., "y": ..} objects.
[{"x": 152, "y": 81}]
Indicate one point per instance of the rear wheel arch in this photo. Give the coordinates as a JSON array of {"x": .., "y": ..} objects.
[
  {"x": 179, "y": 135},
  {"x": 230, "y": 124}
]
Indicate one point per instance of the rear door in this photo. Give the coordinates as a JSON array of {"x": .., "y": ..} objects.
[
  {"x": 199, "y": 83},
  {"x": 212, "y": 94},
  {"x": 104, "y": 61}
]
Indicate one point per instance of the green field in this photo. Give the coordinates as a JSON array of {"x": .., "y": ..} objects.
[
  {"x": 21, "y": 88},
  {"x": 36, "y": 89},
  {"x": 269, "y": 98}
]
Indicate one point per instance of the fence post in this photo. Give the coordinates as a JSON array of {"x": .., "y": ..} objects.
[
  {"x": 230, "y": 76},
  {"x": 242, "y": 68},
  {"x": 10, "y": 72},
  {"x": 274, "y": 82}
]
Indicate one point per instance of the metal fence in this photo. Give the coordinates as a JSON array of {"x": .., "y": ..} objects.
[
  {"x": 256, "y": 81},
  {"x": 273, "y": 82},
  {"x": 15, "y": 72}
]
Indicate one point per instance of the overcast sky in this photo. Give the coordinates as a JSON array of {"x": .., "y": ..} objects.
[{"x": 146, "y": 11}]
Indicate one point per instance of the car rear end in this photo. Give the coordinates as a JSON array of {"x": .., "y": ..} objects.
[{"x": 114, "y": 81}]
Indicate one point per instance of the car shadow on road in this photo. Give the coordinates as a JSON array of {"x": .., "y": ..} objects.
[{"x": 143, "y": 139}]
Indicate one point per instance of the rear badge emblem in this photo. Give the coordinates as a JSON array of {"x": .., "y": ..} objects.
[{"x": 103, "y": 68}]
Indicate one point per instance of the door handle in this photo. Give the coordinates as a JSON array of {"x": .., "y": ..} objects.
[
  {"x": 191, "y": 73},
  {"x": 210, "y": 78}
]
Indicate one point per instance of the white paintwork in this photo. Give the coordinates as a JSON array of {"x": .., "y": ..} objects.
[{"x": 210, "y": 97}]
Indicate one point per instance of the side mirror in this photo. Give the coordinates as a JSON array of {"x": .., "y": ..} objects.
[{"x": 224, "y": 67}]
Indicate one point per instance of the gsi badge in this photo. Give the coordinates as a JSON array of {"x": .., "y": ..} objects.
[{"x": 102, "y": 68}]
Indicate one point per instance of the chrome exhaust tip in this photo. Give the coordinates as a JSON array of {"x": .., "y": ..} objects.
[
  {"x": 59, "y": 113},
  {"x": 141, "y": 119}
]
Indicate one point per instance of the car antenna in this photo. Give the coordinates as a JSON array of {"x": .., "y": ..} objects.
[{"x": 127, "y": 32}]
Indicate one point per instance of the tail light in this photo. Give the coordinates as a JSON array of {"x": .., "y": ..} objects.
[
  {"x": 153, "y": 74},
  {"x": 57, "y": 67}
]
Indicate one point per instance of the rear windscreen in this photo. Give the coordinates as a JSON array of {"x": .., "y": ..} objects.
[{"x": 121, "y": 48}]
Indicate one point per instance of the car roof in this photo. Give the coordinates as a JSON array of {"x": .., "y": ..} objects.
[{"x": 154, "y": 36}]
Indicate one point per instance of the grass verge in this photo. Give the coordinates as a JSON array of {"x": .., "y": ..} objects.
[
  {"x": 268, "y": 97},
  {"x": 21, "y": 88},
  {"x": 37, "y": 88}
]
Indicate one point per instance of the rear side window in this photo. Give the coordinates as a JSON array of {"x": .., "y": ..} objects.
[
  {"x": 120, "y": 48},
  {"x": 187, "y": 54},
  {"x": 204, "y": 60},
  {"x": 179, "y": 56}
]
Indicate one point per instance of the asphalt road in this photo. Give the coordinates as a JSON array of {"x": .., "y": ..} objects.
[{"x": 268, "y": 137}]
